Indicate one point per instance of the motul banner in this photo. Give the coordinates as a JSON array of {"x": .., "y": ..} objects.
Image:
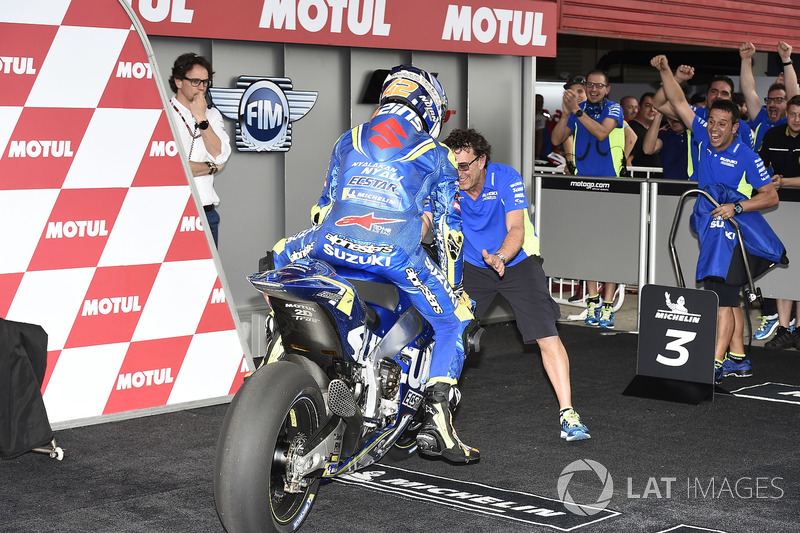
[
  {"x": 103, "y": 244},
  {"x": 510, "y": 27}
]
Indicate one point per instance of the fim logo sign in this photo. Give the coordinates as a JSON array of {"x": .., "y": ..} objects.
[
  {"x": 569, "y": 502},
  {"x": 264, "y": 109}
]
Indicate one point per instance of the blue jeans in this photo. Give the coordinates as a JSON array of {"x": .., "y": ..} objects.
[{"x": 213, "y": 223}]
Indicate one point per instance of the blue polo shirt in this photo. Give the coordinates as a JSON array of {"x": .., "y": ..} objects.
[
  {"x": 738, "y": 167},
  {"x": 745, "y": 132},
  {"x": 483, "y": 221},
  {"x": 761, "y": 124},
  {"x": 675, "y": 158},
  {"x": 593, "y": 157}
]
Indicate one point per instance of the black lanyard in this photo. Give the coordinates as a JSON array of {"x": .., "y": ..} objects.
[{"x": 188, "y": 127}]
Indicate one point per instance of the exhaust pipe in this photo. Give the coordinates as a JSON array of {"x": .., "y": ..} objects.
[{"x": 342, "y": 403}]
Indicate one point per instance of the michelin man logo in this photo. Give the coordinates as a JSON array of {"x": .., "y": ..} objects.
[
  {"x": 679, "y": 306},
  {"x": 264, "y": 109}
]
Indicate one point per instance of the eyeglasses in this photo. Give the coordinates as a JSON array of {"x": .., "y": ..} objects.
[
  {"x": 463, "y": 167},
  {"x": 590, "y": 84},
  {"x": 776, "y": 100},
  {"x": 197, "y": 81}
]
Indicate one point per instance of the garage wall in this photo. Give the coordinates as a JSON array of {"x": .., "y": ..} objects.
[{"x": 266, "y": 196}]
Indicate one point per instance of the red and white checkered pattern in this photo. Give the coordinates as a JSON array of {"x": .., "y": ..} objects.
[{"x": 103, "y": 245}]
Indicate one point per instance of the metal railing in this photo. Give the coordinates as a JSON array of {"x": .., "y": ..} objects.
[{"x": 576, "y": 295}]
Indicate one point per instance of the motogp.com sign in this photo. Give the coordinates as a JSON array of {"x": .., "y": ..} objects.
[{"x": 507, "y": 27}]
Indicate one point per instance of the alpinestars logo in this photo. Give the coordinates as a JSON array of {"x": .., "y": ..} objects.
[
  {"x": 264, "y": 108},
  {"x": 411, "y": 275},
  {"x": 366, "y": 221}
]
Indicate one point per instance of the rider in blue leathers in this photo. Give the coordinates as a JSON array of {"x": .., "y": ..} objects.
[{"x": 370, "y": 216}]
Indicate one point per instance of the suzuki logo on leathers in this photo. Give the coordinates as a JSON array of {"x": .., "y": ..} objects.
[
  {"x": 365, "y": 221},
  {"x": 389, "y": 132}
]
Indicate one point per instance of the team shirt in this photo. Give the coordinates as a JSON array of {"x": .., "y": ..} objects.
[
  {"x": 483, "y": 221},
  {"x": 592, "y": 156},
  {"x": 737, "y": 166},
  {"x": 675, "y": 158},
  {"x": 745, "y": 132},
  {"x": 761, "y": 125}
]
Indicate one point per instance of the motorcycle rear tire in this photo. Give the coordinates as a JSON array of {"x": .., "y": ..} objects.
[{"x": 273, "y": 406}]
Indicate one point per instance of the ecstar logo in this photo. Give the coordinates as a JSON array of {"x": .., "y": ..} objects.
[
  {"x": 365, "y": 221},
  {"x": 264, "y": 108}
]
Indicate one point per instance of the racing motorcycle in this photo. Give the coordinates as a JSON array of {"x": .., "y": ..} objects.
[{"x": 342, "y": 386}]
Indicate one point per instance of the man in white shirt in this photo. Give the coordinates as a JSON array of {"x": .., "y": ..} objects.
[{"x": 200, "y": 129}]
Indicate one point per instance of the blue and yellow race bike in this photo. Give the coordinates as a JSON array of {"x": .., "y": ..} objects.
[{"x": 342, "y": 384}]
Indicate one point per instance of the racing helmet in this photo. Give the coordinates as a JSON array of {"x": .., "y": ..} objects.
[{"x": 419, "y": 90}]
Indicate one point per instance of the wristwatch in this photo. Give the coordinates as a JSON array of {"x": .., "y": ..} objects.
[
  {"x": 203, "y": 125},
  {"x": 579, "y": 113},
  {"x": 737, "y": 208},
  {"x": 502, "y": 257}
]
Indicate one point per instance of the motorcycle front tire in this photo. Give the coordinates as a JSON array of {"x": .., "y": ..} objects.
[{"x": 275, "y": 406}]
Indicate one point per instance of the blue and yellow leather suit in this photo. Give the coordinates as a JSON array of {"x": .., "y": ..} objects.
[{"x": 369, "y": 216}]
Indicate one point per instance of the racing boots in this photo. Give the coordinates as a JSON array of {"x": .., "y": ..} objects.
[{"x": 437, "y": 436}]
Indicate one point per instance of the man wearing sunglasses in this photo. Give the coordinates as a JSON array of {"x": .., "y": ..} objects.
[
  {"x": 200, "y": 129},
  {"x": 501, "y": 256},
  {"x": 774, "y": 110}
]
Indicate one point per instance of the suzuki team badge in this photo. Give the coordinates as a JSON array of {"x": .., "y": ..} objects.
[{"x": 264, "y": 109}]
